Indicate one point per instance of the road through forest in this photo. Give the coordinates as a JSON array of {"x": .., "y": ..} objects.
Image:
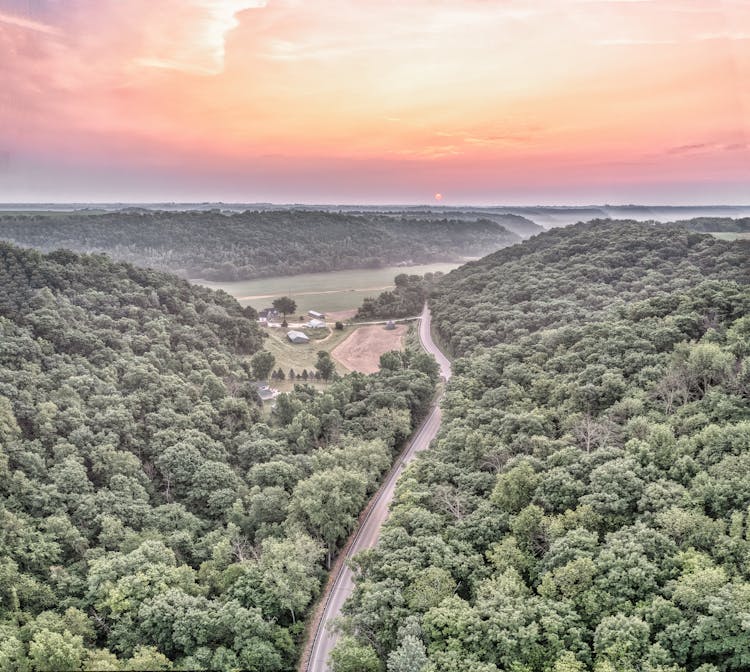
[{"x": 367, "y": 536}]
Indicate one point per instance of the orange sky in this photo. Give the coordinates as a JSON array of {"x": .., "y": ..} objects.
[{"x": 485, "y": 101}]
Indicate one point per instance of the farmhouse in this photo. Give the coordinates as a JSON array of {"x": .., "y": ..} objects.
[
  {"x": 316, "y": 324},
  {"x": 297, "y": 337},
  {"x": 316, "y": 314},
  {"x": 267, "y": 313}
]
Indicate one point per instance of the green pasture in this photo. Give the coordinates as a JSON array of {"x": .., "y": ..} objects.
[
  {"x": 730, "y": 235},
  {"x": 324, "y": 292}
]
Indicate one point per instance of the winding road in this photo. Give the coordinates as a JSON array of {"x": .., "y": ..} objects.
[{"x": 368, "y": 533}]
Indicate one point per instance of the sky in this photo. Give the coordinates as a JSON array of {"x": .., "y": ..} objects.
[{"x": 375, "y": 101}]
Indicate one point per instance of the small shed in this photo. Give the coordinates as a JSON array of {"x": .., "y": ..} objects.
[
  {"x": 390, "y": 325},
  {"x": 297, "y": 337}
]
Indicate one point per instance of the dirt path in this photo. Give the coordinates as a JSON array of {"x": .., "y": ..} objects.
[
  {"x": 325, "y": 291},
  {"x": 362, "y": 349}
]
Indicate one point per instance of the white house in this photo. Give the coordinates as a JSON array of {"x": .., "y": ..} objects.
[{"x": 316, "y": 324}]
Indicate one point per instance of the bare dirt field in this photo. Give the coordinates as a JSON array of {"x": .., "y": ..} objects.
[{"x": 361, "y": 351}]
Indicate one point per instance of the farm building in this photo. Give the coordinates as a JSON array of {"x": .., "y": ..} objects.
[
  {"x": 297, "y": 337},
  {"x": 390, "y": 325},
  {"x": 316, "y": 314},
  {"x": 316, "y": 324},
  {"x": 267, "y": 393}
]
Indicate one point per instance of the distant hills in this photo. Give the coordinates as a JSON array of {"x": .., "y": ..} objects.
[
  {"x": 224, "y": 246},
  {"x": 522, "y": 220}
]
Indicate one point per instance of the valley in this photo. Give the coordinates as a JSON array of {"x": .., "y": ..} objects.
[
  {"x": 325, "y": 292},
  {"x": 598, "y": 403}
]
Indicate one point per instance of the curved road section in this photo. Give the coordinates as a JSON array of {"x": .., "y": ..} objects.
[{"x": 368, "y": 533}]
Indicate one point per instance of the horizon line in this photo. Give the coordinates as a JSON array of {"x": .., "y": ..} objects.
[{"x": 442, "y": 206}]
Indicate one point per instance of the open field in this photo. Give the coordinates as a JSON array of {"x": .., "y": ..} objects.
[
  {"x": 325, "y": 292},
  {"x": 304, "y": 355},
  {"x": 341, "y": 315},
  {"x": 362, "y": 349},
  {"x": 731, "y": 235}
]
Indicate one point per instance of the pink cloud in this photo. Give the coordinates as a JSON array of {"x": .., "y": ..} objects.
[{"x": 463, "y": 93}]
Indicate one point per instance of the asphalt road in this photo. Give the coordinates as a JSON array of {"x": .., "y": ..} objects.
[{"x": 369, "y": 532}]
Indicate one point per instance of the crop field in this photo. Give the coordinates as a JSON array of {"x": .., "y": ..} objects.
[
  {"x": 324, "y": 292},
  {"x": 362, "y": 349}
]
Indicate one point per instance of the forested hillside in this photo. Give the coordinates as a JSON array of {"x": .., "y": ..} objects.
[
  {"x": 571, "y": 275},
  {"x": 726, "y": 224},
  {"x": 222, "y": 247},
  {"x": 585, "y": 506},
  {"x": 517, "y": 224},
  {"x": 149, "y": 515},
  {"x": 406, "y": 299}
]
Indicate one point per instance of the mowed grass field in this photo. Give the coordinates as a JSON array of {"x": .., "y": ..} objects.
[
  {"x": 299, "y": 356},
  {"x": 324, "y": 292},
  {"x": 341, "y": 343},
  {"x": 731, "y": 235}
]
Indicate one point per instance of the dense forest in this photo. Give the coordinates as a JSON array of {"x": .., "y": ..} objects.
[
  {"x": 517, "y": 224},
  {"x": 725, "y": 224},
  {"x": 406, "y": 299},
  {"x": 571, "y": 275},
  {"x": 585, "y": 505},
  {"x": 222, "y": 247},
  {"x": 152, "y": 515}
]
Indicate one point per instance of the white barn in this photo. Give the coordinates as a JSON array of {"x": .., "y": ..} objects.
[{"x": 297, "y": 337}]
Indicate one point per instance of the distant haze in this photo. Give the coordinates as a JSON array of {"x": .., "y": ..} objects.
[
  {"x": 548, "y": 216},
  {"x": 481, "y": 101}
]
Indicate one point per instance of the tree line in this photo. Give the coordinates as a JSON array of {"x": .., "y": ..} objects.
[
  {"x": 152, "y": 516},
  {"x": 215, "y": 246},
  {"x": 406, "y": 299},
  {"x": 573, "y": 275},
  {"x": 585, "y": 505},
  {"x": 713, "y": 224}
]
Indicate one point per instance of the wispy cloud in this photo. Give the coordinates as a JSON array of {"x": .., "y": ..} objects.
[
  {"x": 691, "y": 149},
  {"x": 28, "y": 24},
  {"x": 183, "y": 35},
  {"x": 723, "y": 36},
  {"x": 631, "y": 41},
  {"x": 182, "y": 66},
  {"x": 608, "y": 2},
  {"x": 430, "y": 152},
  {"x": 701, "y": 147}
]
